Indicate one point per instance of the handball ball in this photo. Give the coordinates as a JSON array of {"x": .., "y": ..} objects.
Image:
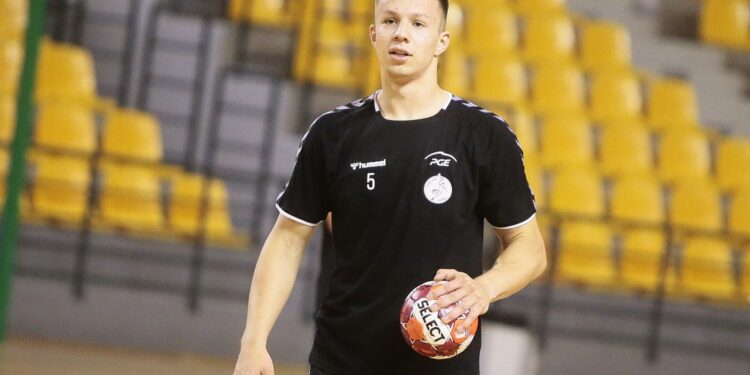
[{"x": 424, "y": 330}]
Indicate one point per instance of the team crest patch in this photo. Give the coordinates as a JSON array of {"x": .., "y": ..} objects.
[{"x": 438, "y": 189}]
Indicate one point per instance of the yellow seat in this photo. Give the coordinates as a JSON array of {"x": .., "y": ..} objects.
[
  {"x": 566, "y": 141},
  {"x": 7, "y": 119},
  {"x": 684, "y": 154},
  {"x": 642, "y": 253},
  {"x": 491, "y": 31},
  {"x": 66, "y": 127},
  {"x": 696, "y": 205},
  {"x": 333, "y": 68},
  {"x": 13, "y": 19},
  {"x": 132, "y": 134},
  {"x": 672, "y": 103},
  {"x": 537, "y": 6},
  {"x": 454, "y": 73},
  {"x": 745, "y": 276},
  {"x": 549, "y": 37},
  {"x": 577, "y": 191},
  {"x": 185, "y": 206},
  {"x": 625, "y": 149},
  {"x": 558, "y": 88},
  {"x": 706, "y": 268},
  {"x": 61, "y": 188},
  {"x": 4, "y": 160},
  {"x": 739, "y": 213},
  {"x": 586, "y": 253},
  {"x": 11, "y": 60},
  {"x": 604, "y": 46},
  {"x": 261, "y": 12},
  {"x": 726, "y": 23},
  {"x": 733, "y": 163},
  {"x": 500, "y": 81},
  {"x": 615, "y": 94},
  {"x": 131, "y": 197},
  {"x": 637, "y": 199},
  {"x": 65, "y": 72},
  {"x": 455, "y": 24}
]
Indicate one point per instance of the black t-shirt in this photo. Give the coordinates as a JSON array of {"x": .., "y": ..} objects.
[{"x": 408, "y": 198}]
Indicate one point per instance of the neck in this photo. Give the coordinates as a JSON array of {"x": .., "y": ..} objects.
[{"x": 411, "y": 99}]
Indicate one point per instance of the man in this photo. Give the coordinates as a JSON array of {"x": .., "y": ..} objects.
[{"x": 409, "y": 175}]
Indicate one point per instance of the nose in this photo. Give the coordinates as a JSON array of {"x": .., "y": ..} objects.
[{"x": 400, "y": 34}]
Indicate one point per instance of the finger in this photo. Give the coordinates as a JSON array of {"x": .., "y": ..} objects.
[
  {"x": 454, "y": 313},
  {"x": 445, "y": 274},
  {"x": 449, "y": 299},
  {"x": 447, "y": 288},
  {"x": 473, "y": 315}
]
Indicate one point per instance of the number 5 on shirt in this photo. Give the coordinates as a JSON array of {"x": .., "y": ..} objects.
[{"x": 371, "y": 181}]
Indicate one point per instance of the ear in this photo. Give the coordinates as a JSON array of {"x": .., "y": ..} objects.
[
  {"x": 372, "y": 34},
  {"x": 443, "y": 43}
]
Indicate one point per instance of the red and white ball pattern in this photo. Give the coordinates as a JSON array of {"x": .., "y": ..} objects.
[{"x": 424, "y": 330}]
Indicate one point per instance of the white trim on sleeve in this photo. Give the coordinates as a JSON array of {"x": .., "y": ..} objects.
[
  {"x": 293, "y": 218},
  {"x": 519, "y": 224}
]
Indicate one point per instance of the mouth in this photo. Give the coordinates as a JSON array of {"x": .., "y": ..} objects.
[{"x": 397, "y": 52}]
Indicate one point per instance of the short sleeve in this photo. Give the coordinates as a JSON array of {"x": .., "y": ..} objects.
[
  {"x": 505, "y": 197},
  {"x": 304, "y": 198}
]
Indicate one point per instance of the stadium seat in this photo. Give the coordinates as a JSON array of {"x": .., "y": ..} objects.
[
  {"x": 684, "y": 154},
  {"x": 61, "y": 187},
  {"x": 133, "y": 135},
  {"x": 642, "y": 253},
  {"x": 65, "y": 127},
  {"x": 4, "y": 160},
  {"x": 454, "y": 73},
  {"x": 500, "y": 81},
  {"x": 745, "y": 273},
  {"x": 696, "y": 205},
  {"x": 185, "y": 206},
  {"x": 566, "y": 141},
  {"x": 13, "y": 19},
  {"x": 586, "y": 253},
  {"x": 7, "y": 119},
  {"x": 261, "y": 12},
  {"x": 11, "y": 56},
  {"x": 539, "y": 6},
  {"x": 672, "y": 103},
  {"x": 333, "y": 67},
  {"x": 739, "y": 213},
  {"x": 131, "y": 198},
  {"x": 491, "y": 31},
  {"x": 706, "y": 268},
  {"x": 65, "y": 72},
  {"x": 558, "y": 88},
  {"x": 625, "y": 148},
  {"x": 733, "y": 163},
  {"x": 577, "y": 192},
  {"x": 726, "y": 23},
  {"x": 615, "y": 95},
  {"x": 548, "y": 37},
  {"x": 638, "y": 200},
  {"x": 604, "y": 46}
]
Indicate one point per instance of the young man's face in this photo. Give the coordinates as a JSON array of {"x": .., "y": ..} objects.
[{"x": 408, "y": 36}]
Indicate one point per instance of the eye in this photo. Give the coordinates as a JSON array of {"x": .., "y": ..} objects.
[
  {"x": 389, "y": 21},
  {"x": 419, "y": 24}
]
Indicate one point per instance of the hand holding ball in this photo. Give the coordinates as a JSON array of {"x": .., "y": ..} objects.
[{"x": 425, "y": 331}]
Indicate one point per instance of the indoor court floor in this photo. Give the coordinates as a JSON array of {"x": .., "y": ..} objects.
[{"x": 24, "y": 356}]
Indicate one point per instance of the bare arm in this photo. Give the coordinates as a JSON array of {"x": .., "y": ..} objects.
[
  {"x": 523, "y": 260},
  {"x": 272, "y": 283}
]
